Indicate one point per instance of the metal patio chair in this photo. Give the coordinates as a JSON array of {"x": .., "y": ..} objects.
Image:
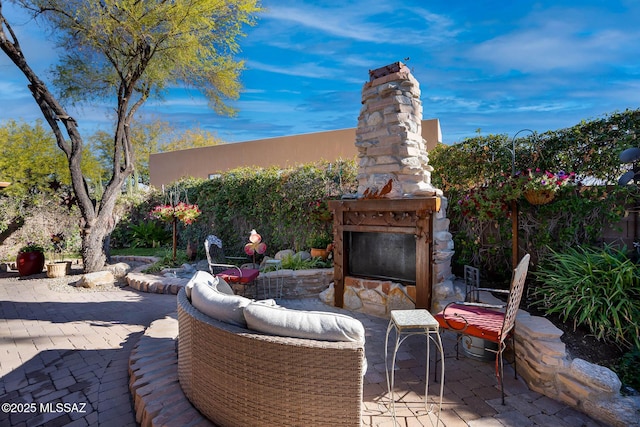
[
  {"x": 487, "y": 321},
  {"x": 219, "y": 266}
]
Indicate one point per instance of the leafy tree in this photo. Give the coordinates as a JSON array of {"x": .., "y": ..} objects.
[
  {"x": 191, "y": 138},
  {"x": 127, "y": 51},
  {"x": 145, "y": 139},
  {"x": 30, "y": 160},
  {"x": 28, "y": 169}
]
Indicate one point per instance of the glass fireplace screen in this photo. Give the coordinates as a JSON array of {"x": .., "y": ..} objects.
[{"x": 390, "y": 256}]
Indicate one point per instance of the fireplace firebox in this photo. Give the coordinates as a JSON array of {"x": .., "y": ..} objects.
[
  {"x": 411, "y": 218},
  {"x": 387, "y": 256}
]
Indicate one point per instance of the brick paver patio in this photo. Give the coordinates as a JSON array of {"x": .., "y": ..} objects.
[
  {"x": 74, "y": 348},
  {"x": 70, "y": 347}
]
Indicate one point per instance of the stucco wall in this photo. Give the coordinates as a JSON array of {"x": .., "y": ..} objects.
[{"x": 285, "y": 151}]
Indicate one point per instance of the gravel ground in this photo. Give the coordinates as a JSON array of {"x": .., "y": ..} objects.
[{"x": 61, "y": 284}]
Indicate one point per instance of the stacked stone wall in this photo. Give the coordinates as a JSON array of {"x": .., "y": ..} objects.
[
  {"x": 543, "y": 362},
  {"x": 389, "y": 135}
]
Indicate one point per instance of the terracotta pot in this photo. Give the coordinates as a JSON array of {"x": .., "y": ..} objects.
[
  {"x": 57, "y": 269},
  {"x": 30, "y": 263},
  {"x": 319, "y": 253},
  {"x": 539, "y": 197}
]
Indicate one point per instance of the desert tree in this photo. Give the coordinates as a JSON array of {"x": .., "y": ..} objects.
[{"x": 125, "y": 52}]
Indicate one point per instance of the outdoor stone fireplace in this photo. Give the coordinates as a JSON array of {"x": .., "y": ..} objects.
[{"x": 391, "y": 238}]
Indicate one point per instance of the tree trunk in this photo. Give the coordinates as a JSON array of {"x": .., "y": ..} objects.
[{"x": 93, "y": 256}]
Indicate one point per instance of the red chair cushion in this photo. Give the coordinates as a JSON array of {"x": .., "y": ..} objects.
[
  {"x": 479, "y": 322},
  {"x": 232, "y": 275}
]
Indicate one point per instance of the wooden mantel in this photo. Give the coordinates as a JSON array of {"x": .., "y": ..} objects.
[{"x": 407, "y": 216}]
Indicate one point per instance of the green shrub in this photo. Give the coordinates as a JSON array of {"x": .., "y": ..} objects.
[
  {"x": 295, "y": 262},
  {"x": 284, "y": 206},
  {"x": 167, "y": 262},
  {"x": 480, "y": 220},
  {"x": 629, "y": 369},
  {"x": 319, "y": 240},
  {"x": 149, "y": 234},
  {"x": 598, "y": 288}
]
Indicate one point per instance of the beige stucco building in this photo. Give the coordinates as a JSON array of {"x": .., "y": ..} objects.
[{"x": 285, "y": 151}]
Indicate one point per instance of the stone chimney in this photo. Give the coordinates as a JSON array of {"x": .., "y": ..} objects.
[{"x": 389, "y": 135}]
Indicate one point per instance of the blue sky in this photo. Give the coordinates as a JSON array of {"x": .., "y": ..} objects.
[{"x": 494, "y": 66}]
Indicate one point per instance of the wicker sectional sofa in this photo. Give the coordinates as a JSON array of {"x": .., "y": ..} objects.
[{"x": 240, "y": 377}]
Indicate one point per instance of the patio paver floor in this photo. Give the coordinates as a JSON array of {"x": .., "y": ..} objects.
[{"x": 74, "y": 347}]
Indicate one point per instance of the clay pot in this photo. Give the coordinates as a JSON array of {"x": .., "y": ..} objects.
[
  {"x": 319, "y": 253},
  {"x": 30, "y": 263},
  {"x": 57, "y": 269}
]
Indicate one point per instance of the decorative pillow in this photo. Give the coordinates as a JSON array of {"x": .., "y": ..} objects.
[
  {"x": 219, "y": 306},
  {"x": 316, "y": 325},
  {"x": 205, "y": 277}
]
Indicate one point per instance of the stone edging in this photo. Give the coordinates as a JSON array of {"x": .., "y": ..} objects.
[
  {"x": 148, "y": 282},
  {"x": 153, "y": 379},
  {"x": 295, "y": 283},
  {"x": 155, "y": 284}
]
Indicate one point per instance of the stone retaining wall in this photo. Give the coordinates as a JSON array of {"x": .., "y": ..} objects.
[
  {"x": 296, "y": 283},
  {"x": 543, "y": 362}
]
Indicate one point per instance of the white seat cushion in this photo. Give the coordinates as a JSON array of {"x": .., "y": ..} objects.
[
  {"x": 318, "y": 325},
  {"x": 218, "y": 305}
]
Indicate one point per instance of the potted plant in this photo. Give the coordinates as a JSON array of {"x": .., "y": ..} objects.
[
  {"x": 321, "y": 243},
  {"x": 540, "y": 187},
  {"x": 30, "y": 259},
  {"x": 58, "y": 268}
]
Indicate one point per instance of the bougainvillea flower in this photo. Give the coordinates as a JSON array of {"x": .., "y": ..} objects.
[{"x": 255, "y": 244}]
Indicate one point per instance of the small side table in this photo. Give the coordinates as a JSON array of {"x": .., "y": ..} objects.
[
  {"x": 407, "y": 323},
  {"x": 278, "y": 281}
]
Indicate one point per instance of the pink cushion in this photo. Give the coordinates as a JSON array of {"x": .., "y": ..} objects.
[
  {"x": 479, "y": 322},
  {"x": 245, "y": 275}
]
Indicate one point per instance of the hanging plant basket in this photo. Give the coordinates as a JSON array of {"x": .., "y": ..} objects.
[{"x": 539, "y": 197}]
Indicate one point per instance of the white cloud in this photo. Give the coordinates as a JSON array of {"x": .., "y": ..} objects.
[
  {"x": 10, "y": 89},
  {"x": 328, "y": 21},
  {"x": 365, "y": 22},
  {"x": 546, "y": 43},
  {"x": 312, "y": 70}
]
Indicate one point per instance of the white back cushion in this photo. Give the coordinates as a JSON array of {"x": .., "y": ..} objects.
[
  {"x": 316, "y": 325},
  {"x": 218, "y": 305},
  {"x": 205, "y": 277}
]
